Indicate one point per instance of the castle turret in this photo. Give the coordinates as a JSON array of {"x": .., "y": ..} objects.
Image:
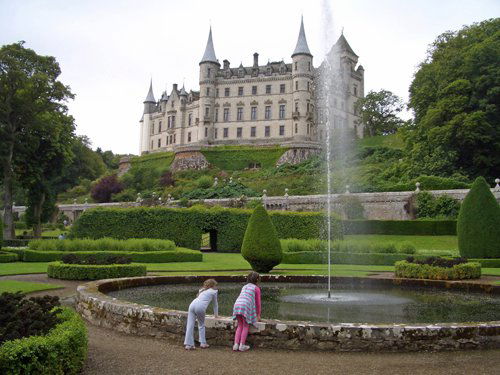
[
  {"x": 302, "y": 78},
  {"x": 149, "y": 107},
  {"x": 209, "y": 66}
]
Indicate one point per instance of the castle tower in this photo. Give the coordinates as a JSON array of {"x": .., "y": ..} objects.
[
  {"x": 209, "y": 66},
  {"x": 145, "y": 130},
  {"x": 302, "y": 81}
]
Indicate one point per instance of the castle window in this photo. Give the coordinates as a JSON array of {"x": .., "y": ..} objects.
[
  {"x": 174, "y": 137},
  {"x": 254, "y": 90},
  {"x": 296, "y": 128},
  {"x": 226, "y": 91},
  {"x": 296, "y": 85},
  {"x": 308, "y": 128},
  {"x": 308, "y": 106},
  {"x": 268, "y": 112},
  {"x": 206, "y": 132},
  {"x": 240, "y": 91},
  {"x": 226, "y": 132},
  {"x": 169, "y": 122},
  {"x": 355, "y": 88},
  {"x": 170, "y": 139},
  {"x": 239, "y": 132},
  {"x": 295, "y": 65},
  {"x": 208, "y": 91},
  {"x": 208, "y": 72},
  {"x": 268, "y": 89},
  {"x": 226, "y": 114},
  {"x": 207, "y": 111},
  {"x": 308, "y": 85},
  {"x": 241, "y": 73},
  {"x": 239, "y": 114},
  {"x": 253, "y": 131},
  {"x": 282, "y": 129},
  {"x": 309, "y": 66},
  {"x": 269, "y": 71},
  {"x": 190, "y": 119},
  {"x": 267, "y": 131},
  {"x": 189, "y": 136},
  {"x": 217, "y": 92},
  {"x": 296, "y": 106},
  {"x": 215, "y": 133},
  {"x": 159, "y": 127},
  {"x": 253, "y": 113},
  {"x": 159, "y": 142},
  {"x": 173, "y": 121},
  {"x": 166, "y": 141},
  {"x": 216, "y": 114},
  {"x": 173, "y": 102},
  {"x": 282, "y": 88},
  {"x": 282, "y": 111},
  {"x": 151, "y": 144}
]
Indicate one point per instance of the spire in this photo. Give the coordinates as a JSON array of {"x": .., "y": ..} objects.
[
  {"x": 209, "y": 55},
  {"x": 150, "y": 98},
  {"x": 302, "y": 48},
  {"x": 343, "y": 45}
]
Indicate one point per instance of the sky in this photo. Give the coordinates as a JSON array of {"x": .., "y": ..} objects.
[{"x": 109, "y": 50}]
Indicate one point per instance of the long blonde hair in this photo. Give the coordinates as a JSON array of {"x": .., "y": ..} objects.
[{"x": 207, "y": 284}]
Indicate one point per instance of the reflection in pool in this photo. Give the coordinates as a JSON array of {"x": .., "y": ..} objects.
[{"x": 308, "y": 302}]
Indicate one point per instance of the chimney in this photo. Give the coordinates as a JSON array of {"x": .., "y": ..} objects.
[
  {"x": 255, "y": 59},
  {"x": 175, "y": 87},
  {"x": 226, "y": 64}
]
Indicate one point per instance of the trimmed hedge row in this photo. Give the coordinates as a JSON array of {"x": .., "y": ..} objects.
[
  {"x": 185, "y": 226},
  {"x": 15, "y": 243},
  {"x": 487, "y": 263},
  {"x": 59, "y": 270},
  {"x": 7, "y": 257},
  {"x": 401, "y": 227},
  {"x": 106, "y": 244},
  {"x": 179, "y": 255},
  {"x": 315, "y": 257},
  {"x": 62, "y": 351},
  {"x": 470, "y": 270}
]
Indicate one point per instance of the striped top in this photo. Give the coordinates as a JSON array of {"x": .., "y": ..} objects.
[{"x": 248, "y": 303}]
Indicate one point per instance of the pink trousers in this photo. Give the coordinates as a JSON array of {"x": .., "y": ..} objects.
[{"x": 241, "y": 331}]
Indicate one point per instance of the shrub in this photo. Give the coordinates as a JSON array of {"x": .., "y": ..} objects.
[
  {"x": 61, "y": 351},
  {"x": 170, "y": 256},
  {"x": 92, "y": 259},
  {"x": 186, "y": 226},
  {"x": 167, "y": 179},
  {"x": 429, "y": 206},
  {"x": 127, "y": 195},
  {"x": 401, "y": 227},
  {"x": 101, "y": 192},
  {"x": 352, "y": 207},
  {"x": 7, "y": 257},
  {"x": 204, "y": 182},
  {"x": 261, "y": 246},
  {"x": 102, "y": 244},
  {"x": 437, "y": 261},
  {"x": 58, "y": 270},
  {"x": 407, "y": 248},
  {"x": 479, "y": 222},
  {"x": 426, "y": 271},
  {"x": 18, "y": 251},
  {"x": 20, "y": 317}
]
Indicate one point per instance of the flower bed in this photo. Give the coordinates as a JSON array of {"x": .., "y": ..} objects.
[
  {"x": 59, "y": 270},
  {"x": 437, "y": 270},
  {"x": 61, "y": 351}
]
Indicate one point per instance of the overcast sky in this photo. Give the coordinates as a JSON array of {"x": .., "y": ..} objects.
[{"x": 109, "y": 49}]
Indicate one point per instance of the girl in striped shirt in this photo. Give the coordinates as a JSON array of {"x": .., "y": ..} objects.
[{"x": 246, "y": 310}]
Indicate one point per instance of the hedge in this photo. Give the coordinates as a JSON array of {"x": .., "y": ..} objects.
[
  {"x": 15, "y": 243},
  {"x": 401, "y": 227},
  {"x": 231, "y": 158},
  {"x": 62, "y": 350},
  {"x": 178, "y": 255},
  {"x": 59, "y": 270},
  {"x": 14, "y": 250},
  {"x": 185, "y": 226},
  {"x": 7, "y": 257},
  {"x": 470, "y": 270},
  {"x": 487, "y": 263},
  {"x": 106, "y": 244},
  {"x": 313, "y": 257}
]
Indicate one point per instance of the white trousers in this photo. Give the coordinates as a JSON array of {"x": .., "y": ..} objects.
[{"x": 195, "y": 313}]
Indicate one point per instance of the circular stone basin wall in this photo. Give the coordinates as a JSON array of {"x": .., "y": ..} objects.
[{"x": 102, "y": 310}]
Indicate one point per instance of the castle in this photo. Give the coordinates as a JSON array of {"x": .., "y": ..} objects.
[{"x": 271, "y": 104}]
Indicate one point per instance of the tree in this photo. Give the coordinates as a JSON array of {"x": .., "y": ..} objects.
[
  {"x": 31, "y": 101},
  {"x": 379, "y": 111},
  {"x": 105, "y": 187},
  {"x": 261, "y": 246},
  {"x": 455, "y": 95},
  {"x": 478, "y": 223}
]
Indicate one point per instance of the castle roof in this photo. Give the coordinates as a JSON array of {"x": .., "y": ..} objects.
[
  {"x": 209, "y": 55},
  {"x": 150, "y": 98},
  {"x": 302, "y": 48},
  {"x": 183, "y": 91},
  {"x": 343, "y": 45}
]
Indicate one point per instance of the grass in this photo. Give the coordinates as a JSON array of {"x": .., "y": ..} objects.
[
  {"x": 12, "y": 286},
  {"x": 19, "y": 268},
  {"x": 391, "y": 141}
]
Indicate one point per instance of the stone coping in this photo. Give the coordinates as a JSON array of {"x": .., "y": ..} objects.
[{"x": 102, "y": 310}]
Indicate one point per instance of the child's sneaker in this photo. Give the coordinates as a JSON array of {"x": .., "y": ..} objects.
[
  {"x": 189, "y": 347},
  {"x": 243, "y": 348},
  {"x": 236, "y": 347},
  {"x": 204, "y": 346}
]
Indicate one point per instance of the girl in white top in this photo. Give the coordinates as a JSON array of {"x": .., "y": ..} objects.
[{"x": 197, "y": 310}]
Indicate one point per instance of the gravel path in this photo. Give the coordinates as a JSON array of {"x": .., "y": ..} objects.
[{"x": 111, "y": 352}]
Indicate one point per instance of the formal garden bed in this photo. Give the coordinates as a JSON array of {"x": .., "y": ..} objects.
[
  {"x": 438, "y": 269},
  {"x": 60, "y": 270},
  {"x": 48, "y": 340}
]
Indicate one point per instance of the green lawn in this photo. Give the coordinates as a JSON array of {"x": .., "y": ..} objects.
[
  {"x": 13, "y": 286},
  {"x": 17, "y": 268}
]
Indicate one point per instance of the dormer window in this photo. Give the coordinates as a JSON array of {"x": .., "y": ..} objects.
[
  {"x": 228, "y": 73},
  {"x": 269, "y": 71},
  {"x": 241, "y": 72},
  {"x": 173, "y": 103}
]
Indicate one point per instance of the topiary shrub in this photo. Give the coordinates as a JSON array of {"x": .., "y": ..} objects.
[
  {"x": 479, "y": 222},
  {"x": 261, "y": 246}
]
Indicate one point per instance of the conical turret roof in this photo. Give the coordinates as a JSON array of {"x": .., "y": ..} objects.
[
  {"x": 302, "y": 48},
  {"x": 343, "y": 45},
  {"x": 183, "y": 91},
  {"x": 209, "y": 55},
  {"x": 150, "y": 98}
]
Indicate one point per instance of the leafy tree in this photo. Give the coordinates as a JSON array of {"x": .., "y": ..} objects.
[
  {"x": 105, "y": 187},
  {"x": 455, "y": 96},
  {"x": 112, "y": 161},
  {"x": 32, "y": 110},
  {"x": 261, "y": 246},
  {"x": 478, "y": 223},
  {"x": 379, "y": 111}
]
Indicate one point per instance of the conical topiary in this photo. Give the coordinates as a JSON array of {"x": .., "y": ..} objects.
[
  {"x": 478, "y": 225},
  {"x": 261, "y": 246}
]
